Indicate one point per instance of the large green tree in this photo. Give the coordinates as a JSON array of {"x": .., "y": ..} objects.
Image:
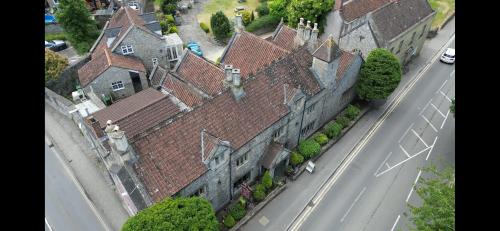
[
  {"x": 438, "y": 194},
  {"x": 54, "y": 65},
  {"x": 183, "y": 213},
  {"x": 75, "y": 19},
  {"x": 220, "y": 26},
  {"x": 278, "y": 9},
  {"x": 379, "y": 75},
  {"x": 311, "y": 10}
]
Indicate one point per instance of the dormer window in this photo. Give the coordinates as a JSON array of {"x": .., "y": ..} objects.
[{"x": 127, "y": 49}]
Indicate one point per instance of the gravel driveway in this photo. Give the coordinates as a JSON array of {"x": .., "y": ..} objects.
[{"x": 190, "y": 30}]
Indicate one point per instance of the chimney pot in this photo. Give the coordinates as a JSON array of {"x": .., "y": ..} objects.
[
  {"x": 315, "y": 26},
  {"x": 109, "y": 122},
  {"x": 228, "y": 71},
  {"x": 236, "y": 77},
  {"x": 301, "y": 21},
  {"x": 308, "y": 24}
]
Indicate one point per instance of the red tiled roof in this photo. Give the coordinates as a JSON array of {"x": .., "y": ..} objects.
[
  {"x": 104, "y": 59},
  {"x": 250, "y": 53},
  {"x": 344, "y": 63},
  {"x": 284, "y": 38},
  {"x": 157, "y": 76},
  {"x": 357, "y": 8},
  {"x": 201, "y": 73},
  {"x": 137, "y": 113},
  {"x": 182, "y": 91}
]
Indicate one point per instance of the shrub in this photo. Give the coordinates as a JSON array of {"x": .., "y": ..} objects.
[
  {"x": 333, "y": 129},
  {"x": 54, "y": 65},
  {"x": 204, "y": 27},
  {"x": 252, "y": 16},
  {"x": 173, "y": 29},
  {"x": 259, "y": 195},
  {"x": 237, "y": 211},
  {"x": 262, "y": 22},
  {"x": 229, "y": 221},
  {"x": 351, "y": 112},
  {"x": 267, "y": 180},
  {"x": 260, "y": 187},
  {"x": 55, "y": 36},
  {"x": 242, "y": 201},
  {"x": 262, "y": 9},
  {"x": 169, "y": 18},
  {"x": 320, "y": 138},
  {"x": 313, "y": 10},
  {"x": 221, "y": 27},
  {"x": 246, "y": 17},
  {"x": 289, "y": 170},
  {"x": 309, "y": 148},
  {"x": 343, "y": 120},
  {"x": 296, "y": 159}
]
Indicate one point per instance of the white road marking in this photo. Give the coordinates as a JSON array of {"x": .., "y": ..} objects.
[
  {"x": 442, "y": 85},
  {"x": 442, "y": 93},
  {"x": 452, "y": 73},
  {"x": 432, "y": 147},
  {"x": 420, "y": 138},
  {"x": 426, "y": 105},
  {"x": 434, "y": 106},
  {"x": 446, "y": 117},
  {"x": 48, "y": 225},
  {"x": 414, "y": 183},
  {"x": 355, "y": 200},
  {"x": 299, "y": 219},
  {"x": 263, "y": 221},
  {"x": 429, "y": 122},
  {"x": 80, "y": 189},
  {"x": 390, "y": 153},
  {"x": 399, "y": 141},
  {"x": 425, "y": 149},
  {"x": 394, "y": 226},
  {"x": 408, "y": 155},
  {"x": 388, "y": 166}
]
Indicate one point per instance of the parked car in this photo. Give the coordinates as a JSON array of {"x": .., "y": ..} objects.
[
  {"x": 195, "y": 48},
  {"x": 50, "y": 19},
  {"x": 448, "y": 56},
  {"x": 56, "y": 45}
]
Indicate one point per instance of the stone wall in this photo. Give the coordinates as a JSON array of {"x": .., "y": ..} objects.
[
  {"x": 102, "y": 84},
  {"x": 360, "y": 38},
  {"x": 68, "y": 79},
  {"x": 146, "y": 47}
]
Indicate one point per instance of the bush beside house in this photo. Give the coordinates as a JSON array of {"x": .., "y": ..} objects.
[
  {"x": 309, "y": 149},
  {"x": 333, "y": 129},
  {"x": 296, "y": 159},
  {"x": 343, "y": 120},
  {"x": 267, "y": 181},
  {"x": 352, "y": 112},
  {"x": 229, "y": 221},
  {"x": 237, "y": 211},
  {"x": 204, "y": 27},
  {"x": 320, "y": 138}
]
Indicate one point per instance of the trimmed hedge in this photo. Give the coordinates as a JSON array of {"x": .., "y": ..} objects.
[
  {"x": 259, "y": 194},
  {"x": 343, "y": 120},
  {"x": 320, "y": 138},
  {"x": 351, "y": 112},
  {"x": 309, "y": 149},
  {"x": 204, "y": 27},
  {"x": 261, "y": 22},
  {"x": 333, "y": 129},
  {"x": 229, "y": 221},
  {"x": 296, "y": 159},
  {"x": 237, "y": 211}
]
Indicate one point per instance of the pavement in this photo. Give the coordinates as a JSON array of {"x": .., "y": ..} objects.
[
  {"x": 87, "y": 167},
  {"x": 70, "y": 53},
  {"x": 190, "y": 30},
  {"x": 66, "y": 207},
  {"x": 282, "y": 211}
]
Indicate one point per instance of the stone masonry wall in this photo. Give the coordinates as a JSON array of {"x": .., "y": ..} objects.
[{"x": 102, "y": 84}]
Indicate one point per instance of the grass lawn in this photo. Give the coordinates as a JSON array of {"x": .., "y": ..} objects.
[
  {"x": 227, "y": 6},
  {"x": 443, "y": 8}
]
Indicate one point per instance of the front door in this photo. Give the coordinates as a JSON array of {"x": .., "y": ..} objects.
[{"x": 136, "y": 81}]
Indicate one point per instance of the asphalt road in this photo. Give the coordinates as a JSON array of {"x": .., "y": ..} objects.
[
  {"x": 65, "y": 205},
  {"x": 373, "y": 191}
]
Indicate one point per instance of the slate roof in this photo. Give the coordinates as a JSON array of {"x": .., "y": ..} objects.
[
  {"x": 328, "y": 50},
  {"x": 250, "y": 53},
  {"x": 182, "y": 91},
  {"x": 139, "y": 112},
  {"x": 284, "y": 37},
  {"x": 148, "y": 17},
  {"x": 395, "y": 18},
  {"x": 356, "y": 8},
  {"x": 203, "y": 74},
  {"x": 101, "y": 60},
  {"x": 154, "y": 26}
]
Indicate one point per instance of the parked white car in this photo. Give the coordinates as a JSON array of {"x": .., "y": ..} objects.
[{"x": 448, "y": 56}]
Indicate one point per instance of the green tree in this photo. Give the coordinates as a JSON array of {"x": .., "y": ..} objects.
[
  {"x": 54, "y": 65},
  {"x": 312, "y": 10},
  {"x": 277, "y": 8},
  {"x": 80, "y": 29},
  {"x": 183, "y": 213},
  {"x": 169, "y": 6},
  {"x": 438, "y": 194},
  {"x": 452, "y": 107},
  {"x": 220, "y": 26},
  {"x": 267, "y": 180},
  {"x": 246, "y": 17},
  {"x": 379, "y": 75},
  {"x": 262, "y": 9}
]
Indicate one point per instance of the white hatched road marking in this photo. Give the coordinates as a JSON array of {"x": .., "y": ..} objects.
[
  {"x": 48, "y": 225},
  {"x": 394, "y": 226},
  {"x": 390, "y": 153},
  {"x": 429, "y": 123},
  {"x": 442, "y": 85},
  {"x": 408, "y": 155},
  {"x": 400, "y": 163},
  {"x": 426, "y": 105},
  {"x": 446, "y": 117},
  {"x": 442, "y": 93},
  {"x": 353, "y": 203},
  {"x": 399, "y": 141},
  {"x": 431, "y": 148},
  {"x": 388, "y": 166},
  {"x": 414, "y": 183},
  {"x": 434, "y": 106},
  {"x": 414, "y": 132}
]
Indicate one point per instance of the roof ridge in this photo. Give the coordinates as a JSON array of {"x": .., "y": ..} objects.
[
  {"x": 205, "y": 60},
  {"x": 128, "y": 16},
  {"x": 107, "y": 56},
  {"x": 265, "y": 41}
]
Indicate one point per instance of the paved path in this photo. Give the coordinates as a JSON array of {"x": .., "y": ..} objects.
[
  {"x": 283, "y": 209},
  {"x": 66, "y": 207},
  {"x": 83, "y": 161}
]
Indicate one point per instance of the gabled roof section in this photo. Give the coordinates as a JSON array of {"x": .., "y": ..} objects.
[
  {"x": 209, "y": 144},
  {"x": 284, "y": 37},
  {"x": 182, "y": 91},
  {"x": 328, "y": 51},
  {"x": 250, "y": 53},
  {"x": 157, "y": 76},
  {"x": 203, "y": 74},
  {"x": 101, "y": 60},
  {"x": 396, "y": 17},
  {"x": 354, "y": 9},
  {"x": 272, "y": 152},
  {"x": 137, "y": 113},
  {"x": 346, "y": 59}
]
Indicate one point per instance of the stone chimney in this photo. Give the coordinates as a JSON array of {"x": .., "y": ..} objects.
[
  {"x": 236, "y": 86},
  {"x": 299, "y": 40},
  {"x": 307, "y": 31},
  {"x": 96, "y": 128},
  {"x": 238, "y": 24},
  {"x": 313, "y": 40},
  {"x": 229, "y": 75},
  {"x": 117, "y": 139}
]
